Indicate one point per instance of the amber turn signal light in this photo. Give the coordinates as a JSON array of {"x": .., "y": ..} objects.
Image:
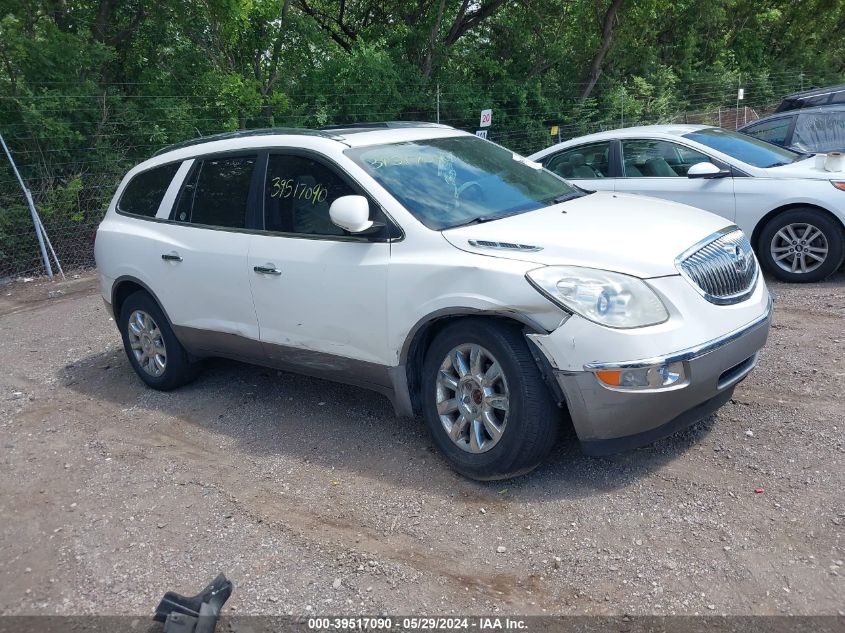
[{"x": 610, "y": 377}]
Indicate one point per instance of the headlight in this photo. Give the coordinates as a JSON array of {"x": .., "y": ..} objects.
[{"x": 607, "y": 298}]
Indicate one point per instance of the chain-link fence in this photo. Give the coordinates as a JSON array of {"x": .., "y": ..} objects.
[{"x": 72, "y": 188}]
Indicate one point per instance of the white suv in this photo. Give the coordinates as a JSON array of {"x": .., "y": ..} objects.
[{"x": 466, "y": 283}]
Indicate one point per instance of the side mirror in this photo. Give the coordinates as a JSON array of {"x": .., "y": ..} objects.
[
  {"x": 351, "y": 213},
  {"x": 706, "y": 170}
]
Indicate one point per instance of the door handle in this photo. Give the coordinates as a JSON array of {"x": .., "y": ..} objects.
[
  {"x": 269, "y": 269},
  {"x": 171, "y": 257}
]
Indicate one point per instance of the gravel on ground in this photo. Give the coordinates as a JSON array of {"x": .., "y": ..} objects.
[{"x": 315, "y": 499}]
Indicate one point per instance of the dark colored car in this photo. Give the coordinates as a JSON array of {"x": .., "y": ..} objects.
[
  {"x": 809, "y": 130},
  {"x": 829, "y": 95}
]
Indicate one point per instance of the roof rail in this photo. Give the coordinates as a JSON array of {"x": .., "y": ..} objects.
[
  {"x": 329, "y": 131},
  {"x": 381, "y": 125},
  {"x": 224, "y": 136},
  {"x": 815, "y": 92}
]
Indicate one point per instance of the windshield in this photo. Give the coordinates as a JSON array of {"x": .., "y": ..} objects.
[
  {"x": 451, "y": 181},
  {"x": 745, "y": 148}
]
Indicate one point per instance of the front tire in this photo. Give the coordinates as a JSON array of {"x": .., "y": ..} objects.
[
  {"x": 152, "y": 348},
  {"x": 484, "y": 400},
  {"x": 801, "y": 245}
]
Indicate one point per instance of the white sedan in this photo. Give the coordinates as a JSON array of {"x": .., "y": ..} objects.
[{"x": 793, "y": 210}]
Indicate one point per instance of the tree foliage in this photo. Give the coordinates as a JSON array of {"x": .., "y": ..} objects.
[{"x": 88, "y": 87}]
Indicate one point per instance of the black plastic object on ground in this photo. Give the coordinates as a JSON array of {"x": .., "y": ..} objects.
[{"x": 194, "y": 614}]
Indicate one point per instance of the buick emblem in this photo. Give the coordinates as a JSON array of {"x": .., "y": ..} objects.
[{"x": 740, "y": 259}]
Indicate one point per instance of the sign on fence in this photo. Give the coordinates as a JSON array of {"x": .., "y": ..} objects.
[
  {"x": 481, "y": 134},
  {"x": 486, "y": 118}
]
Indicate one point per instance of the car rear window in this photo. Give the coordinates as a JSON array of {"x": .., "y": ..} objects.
[
  {"x": 820, "y": 132},
  {"x": 144, "y": 192}
]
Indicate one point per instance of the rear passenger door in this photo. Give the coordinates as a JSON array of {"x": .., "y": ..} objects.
[
  {"x": 658, "y": 168},
  {"x": 588, "y": 166},
  {"x": 201, "y": 276}
]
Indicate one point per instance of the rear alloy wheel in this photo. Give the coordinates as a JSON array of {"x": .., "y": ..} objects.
[
  {"x": 152, "y": 348},
  {"x": 802, "y": 245},
  {"x": 147, "y": 343},
  {"x": 485, "y": 402}
]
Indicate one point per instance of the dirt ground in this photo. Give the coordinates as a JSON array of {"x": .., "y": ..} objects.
[{"x": 314, "y": 499}]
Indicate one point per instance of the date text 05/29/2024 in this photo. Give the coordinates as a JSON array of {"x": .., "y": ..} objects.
[{"x": 420, "y": 623}]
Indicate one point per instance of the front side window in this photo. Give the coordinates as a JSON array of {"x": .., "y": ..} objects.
[
  {"x": 582, "y": 162},
  {"x": 652, "y": 158},
  {"x": 773, "y": 131},
  {"x": 217, "y": 192},
  {"x": 446, "y": 182},
  {"x": 298, "y": 192},
  {"x": 820, "y": 132},
  {"x": 744, "y": 148},
  {"x": 144, "y": 192}
]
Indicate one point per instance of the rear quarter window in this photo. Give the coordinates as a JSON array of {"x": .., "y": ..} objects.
[{"x": 144, "y": 192}]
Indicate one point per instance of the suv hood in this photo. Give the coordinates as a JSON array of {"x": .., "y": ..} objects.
[{"x": 625, "y": 233}]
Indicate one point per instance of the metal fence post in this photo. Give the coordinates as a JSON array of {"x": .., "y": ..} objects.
[{"x": 36, "y": 221}]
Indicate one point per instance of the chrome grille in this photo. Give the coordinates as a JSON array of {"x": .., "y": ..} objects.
[{"x": 722, "y": 267}]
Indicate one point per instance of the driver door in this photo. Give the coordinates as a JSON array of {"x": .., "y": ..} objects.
[{"x": 319, "y": 292}]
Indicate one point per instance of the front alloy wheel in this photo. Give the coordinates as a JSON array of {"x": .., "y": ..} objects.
[
  {"x": 472, "y": 398},
  {"x": 485, "y": 402}
]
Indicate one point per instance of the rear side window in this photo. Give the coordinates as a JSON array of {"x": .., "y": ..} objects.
[
  {"x": 144, "y": 192},
  {"x": 217, "y": 192},
  {"x": 584, "y": 161}
]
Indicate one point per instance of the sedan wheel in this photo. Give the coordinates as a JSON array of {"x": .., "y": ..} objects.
[
  {"x": 799, "y": 248},
  {"x": 801, "y": 245},
  {"x": 472, "y": 398}
]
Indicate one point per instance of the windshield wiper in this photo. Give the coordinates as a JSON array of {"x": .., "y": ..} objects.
[
  {"x": 777, "y": 165},
  {"x": 479, "y": 220},
  {"x": 570, "y": 196}
]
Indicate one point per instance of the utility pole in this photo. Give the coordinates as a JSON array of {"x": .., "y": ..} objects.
[
  {"x": 622, "y": 109},
  {"x": 438, "y": 102},
  {"x": 36, "y": 221}
]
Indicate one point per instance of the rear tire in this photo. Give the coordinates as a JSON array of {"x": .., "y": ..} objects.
[
  {"x": 489, "y": 411},
  {"x": 801, "y": 245},
  {"x": 153, "y": 350}
]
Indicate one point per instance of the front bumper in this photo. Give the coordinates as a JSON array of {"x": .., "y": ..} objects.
[{"x": 609, "y": 420}]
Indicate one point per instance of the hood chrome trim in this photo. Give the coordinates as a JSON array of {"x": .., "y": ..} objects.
[{"x": 504, "y": 246}]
